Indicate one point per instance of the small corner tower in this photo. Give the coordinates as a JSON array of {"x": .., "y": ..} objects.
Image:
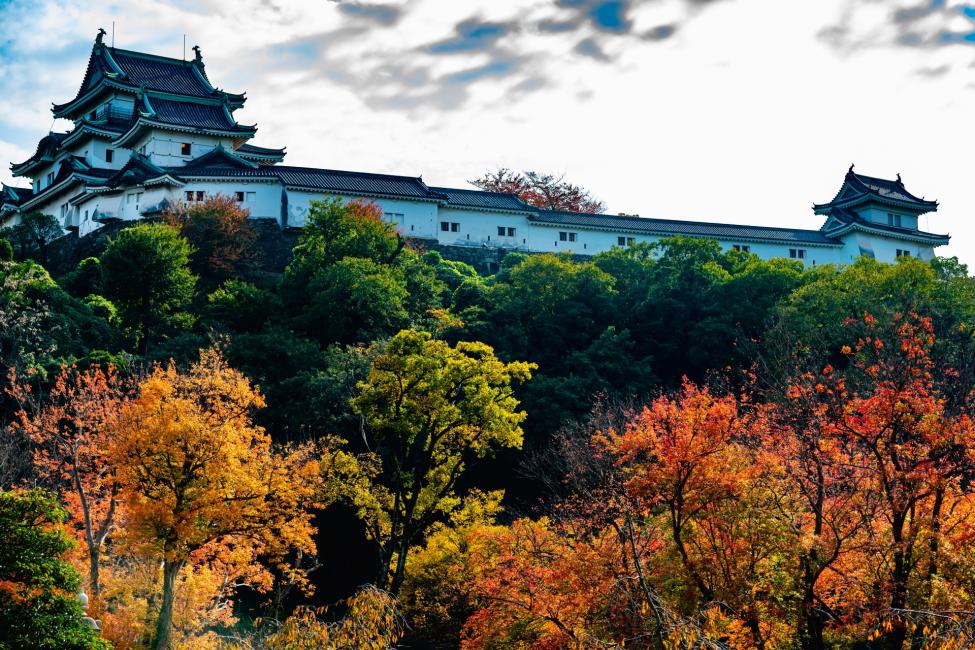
[{"x": 883, "y": 216}]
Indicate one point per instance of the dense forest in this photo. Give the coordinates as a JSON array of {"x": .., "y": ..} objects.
[{"x": 663, "y": 446}]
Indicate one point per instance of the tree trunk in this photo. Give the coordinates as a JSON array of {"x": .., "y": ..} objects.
[
  {"x": 899, "y": 576},
  {"x": 810, "y": 623},
  {"x": 94, "y": 557},
  {"x": 164, "y": 625}
]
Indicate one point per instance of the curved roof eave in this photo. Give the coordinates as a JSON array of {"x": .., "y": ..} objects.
[{"x": 141, "y": 123}]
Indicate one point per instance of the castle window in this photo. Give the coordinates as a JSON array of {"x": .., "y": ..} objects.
[
  {"x": 109, "y": 155},
  {"x": 454, "y": 227},
  {"x": 903, "y": 253},
  {"x": 445, "y": 226},
  {"x": 742, "y": 248},
  {"x": 239, "y": 197},
  {"x": 189, "y": 196},
  {"x": 511, "y": 232},
  {"x": 186, "y": 149},
  {"x": 621, "y": 241},
  {"x": 567, "y": 236},
  {"x": 501, "y": 231},
  {"x": 797, "y": 253},
  {"x": 893, "y": 219},
  {"x": 50, "y": 178},
  {"x": 200, "y": 195}
]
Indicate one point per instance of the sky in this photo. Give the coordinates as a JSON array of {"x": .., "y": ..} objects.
[{"x": 736, "y": 111}]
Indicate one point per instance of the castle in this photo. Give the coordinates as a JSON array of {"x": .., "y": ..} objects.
[{"x": 152, "y": 131}]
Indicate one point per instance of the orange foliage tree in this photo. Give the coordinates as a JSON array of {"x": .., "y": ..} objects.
[
  {"x": 840, "y": 514},
  {"x": 70, "y": 426},
  {"x": 203, "y": 484}
]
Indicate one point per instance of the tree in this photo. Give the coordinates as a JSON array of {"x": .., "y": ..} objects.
[
  {"x": 71, "y": 430},
  {"x": 38, "y": 601},
  {"x": 545, "y": 191},
  {"x": 42, "y": 326},
  {"x": 146, "y": 273},
  {"x": 221, "y": 236},
  {"x": 900, "y": 435},
  {"x": 428, "y": 408},
  {"x": 336, "y": 230},
  {"x": 35, "y": 232},
  {"x": 200, "y": 480},
  {"x": 371, "y": 622},
  {"x": 85, "y": 279},
  {"x": 355, "y": 300}
]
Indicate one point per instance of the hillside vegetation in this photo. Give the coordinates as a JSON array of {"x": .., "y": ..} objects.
[{"x": 664, "y": 446}]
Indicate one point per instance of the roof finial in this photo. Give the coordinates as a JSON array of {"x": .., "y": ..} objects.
[
  {"x": 100, "y": 36},
  {"x": 199, "y": 56},
  {"x": 851, "y": 169},
  {"x": 899, "y": 178}
]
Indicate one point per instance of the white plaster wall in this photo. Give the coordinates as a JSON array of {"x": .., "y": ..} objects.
[
  {"x": 878, "y": 214},
  {"x": 884, "y": 249},
  {"x": 163, "y": 148},
  {"x": 266, "y": 202},
  {"x": 477, "y": 228},
  {"x": 418, "y": 220},
  {"x": 590, "y": 242}
]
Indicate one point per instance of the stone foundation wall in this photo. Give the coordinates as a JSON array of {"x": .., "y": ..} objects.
[{"x": 274, "y": 245}]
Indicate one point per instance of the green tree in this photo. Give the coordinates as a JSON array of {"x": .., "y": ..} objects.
[
  {"x": 145, "y": 272},
  {"x": 428, "y": 409},
  {"x": 85, "y": 279},
  {"x": 34, "y": 234},
  {"x": 41, "y": 325},
  {"x": 242, "y": 306},
  {"x": 335, "y": 230},
  {"x": 38, "y": 588},
  {"x": 812, "y": 324},
  {"x": 354, "y": 300}
]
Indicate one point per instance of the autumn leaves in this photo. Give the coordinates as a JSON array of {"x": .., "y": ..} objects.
[{"x": 839, "y": 513}]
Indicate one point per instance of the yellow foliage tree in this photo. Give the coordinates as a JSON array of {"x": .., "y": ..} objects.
[
  {"x": 202, "y": 483},
  {"x": 370, "y": 623}
]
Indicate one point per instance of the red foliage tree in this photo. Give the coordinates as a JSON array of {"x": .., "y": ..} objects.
[
  {"x": 70, "y": 427},
  {"x": 545, "y": 191}
]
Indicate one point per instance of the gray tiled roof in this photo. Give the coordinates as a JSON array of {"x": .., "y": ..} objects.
[
  {"x": 205, "y": 116},
  {"x": 135, "y": 70},
  {"x": 889, "y": 189},
  {"x": 667, "y": 227},
  {"x": 482, "y": 200},
  {"x": 326, "y": 180},
  {"x": 160, "y": 73},
  {"x": 859, "y": 188},
  {"x": 14, "y": 195},
  {"x": 248, "y": 148},
  {"x": 46, "y": 145}
]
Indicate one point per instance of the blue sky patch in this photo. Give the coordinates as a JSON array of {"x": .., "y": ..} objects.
[
  {"x": 472, "y": 35},
  {"x": 610, "y": 16}
]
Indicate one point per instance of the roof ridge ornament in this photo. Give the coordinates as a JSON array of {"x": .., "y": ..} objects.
[
  {"x": 98, "y": 37},
  {"x": 850, "y": 171}
]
